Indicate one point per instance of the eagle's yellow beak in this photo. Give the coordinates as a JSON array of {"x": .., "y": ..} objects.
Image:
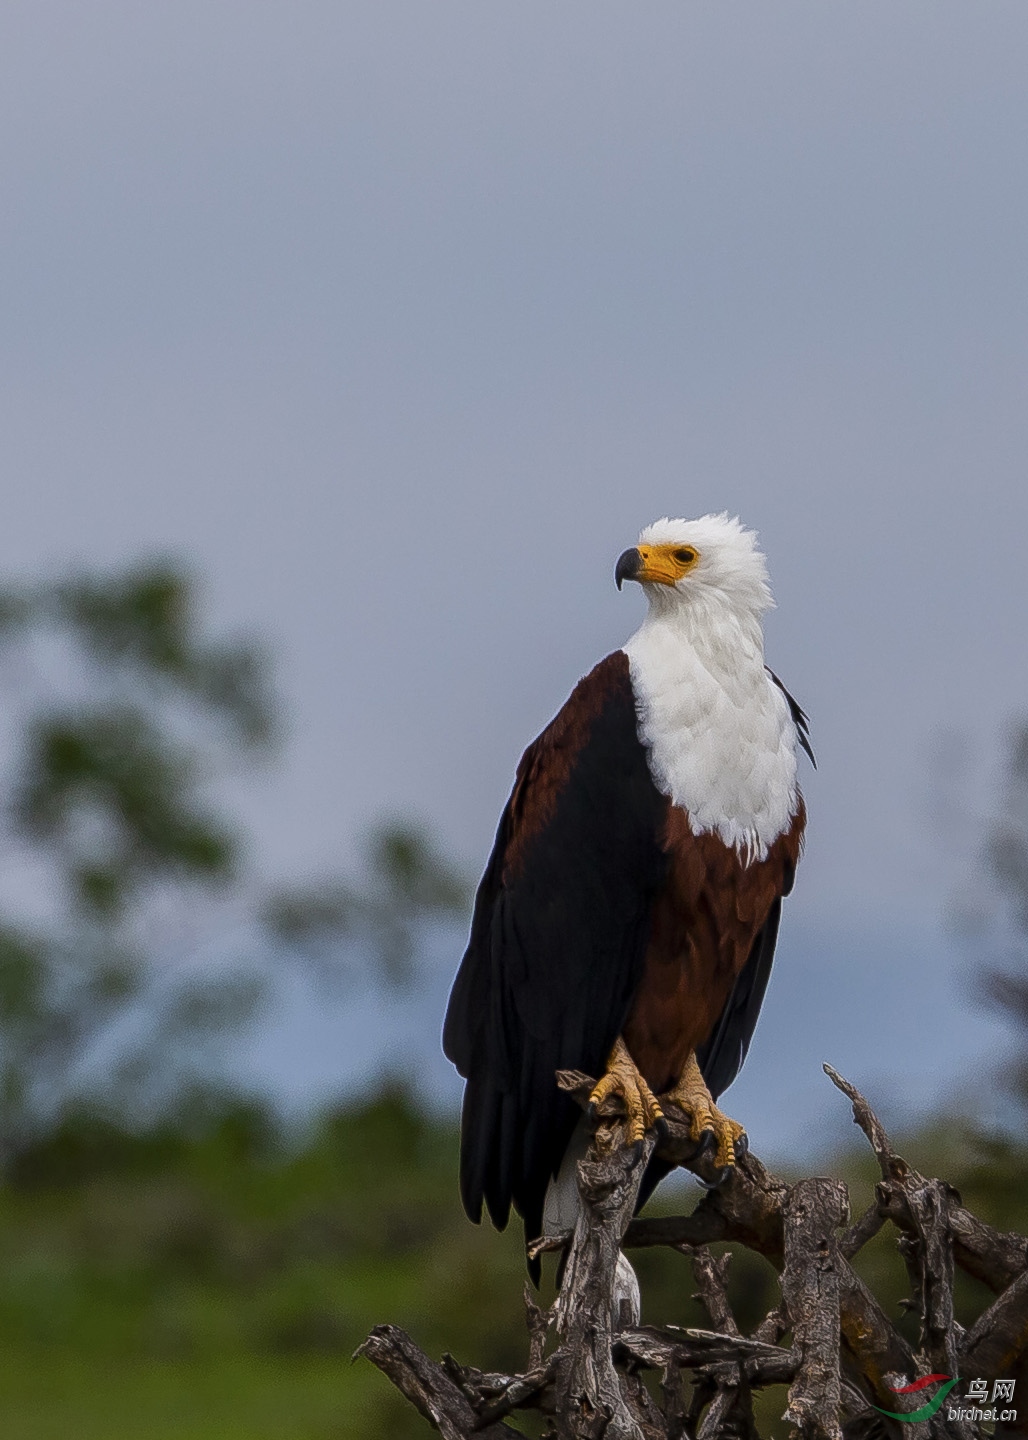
[{"x": 659, "y": 564}]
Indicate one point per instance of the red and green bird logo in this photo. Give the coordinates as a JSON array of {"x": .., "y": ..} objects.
[{"x": 928, "y": 1410}]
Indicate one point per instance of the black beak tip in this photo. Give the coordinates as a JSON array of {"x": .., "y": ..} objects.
[{"x": 627, "y": 568}]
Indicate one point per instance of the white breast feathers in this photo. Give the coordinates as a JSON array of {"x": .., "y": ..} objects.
[{"x": 720, "y": 740}]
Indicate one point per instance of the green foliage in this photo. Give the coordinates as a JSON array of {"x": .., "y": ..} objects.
[
  {"x": 133, "y": 1262},
  {"x": 114, "y": 793}
]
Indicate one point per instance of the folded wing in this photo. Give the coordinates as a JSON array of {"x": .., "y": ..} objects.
[{"x": 558, "y": 939}]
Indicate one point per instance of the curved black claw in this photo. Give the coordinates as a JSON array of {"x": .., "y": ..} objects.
[
  {"x": 717, "y": 1177},
  {"x": 637, "y": 1150},
  {"x": 661, "y": 1130},
  {"x": 590, "y": 1112},
  {"x": 707, "y": 1145},
  {"x": 742, "y": 1146}
]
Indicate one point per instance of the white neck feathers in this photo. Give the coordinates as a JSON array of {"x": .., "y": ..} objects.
[{"x": 720, "y": 740}]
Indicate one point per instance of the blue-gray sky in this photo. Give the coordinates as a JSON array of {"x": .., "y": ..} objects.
[{"x": 404, "y": 318}]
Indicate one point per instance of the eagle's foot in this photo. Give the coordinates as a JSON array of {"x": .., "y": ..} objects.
[
  {"x": 710, "y": 1127},
  {"x": 623, "y": 1079}
]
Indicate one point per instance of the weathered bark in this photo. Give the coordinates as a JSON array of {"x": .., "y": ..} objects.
[
  {"x": 591, "y": 1400},
  {"x": 425, "y": 1385},
  {"x": 999, "y": 1337},
  {"x": 814, "y": 1211}
]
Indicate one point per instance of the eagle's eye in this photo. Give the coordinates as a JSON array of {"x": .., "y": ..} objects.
[{"x": 685, "y": 556}]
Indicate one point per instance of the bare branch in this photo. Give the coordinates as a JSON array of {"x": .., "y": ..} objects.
[
  {"x": 861, "y": 1231},
  {"x": 425, "y": 1385},
  {"x": 538, "y": 1321},
  {"x": 711, "y": 1277},
  {"x": 891, "y": 1165}
]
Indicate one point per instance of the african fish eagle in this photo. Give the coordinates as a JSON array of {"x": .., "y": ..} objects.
[{"x": 626, "y": 921}]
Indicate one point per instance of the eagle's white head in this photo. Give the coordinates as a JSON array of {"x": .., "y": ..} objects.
[{"x": 710, "y": 562}]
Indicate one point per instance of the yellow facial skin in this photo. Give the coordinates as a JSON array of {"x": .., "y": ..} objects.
[{"x": 665, "y": 564}]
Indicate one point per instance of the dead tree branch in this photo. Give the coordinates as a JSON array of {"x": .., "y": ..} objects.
[{"x": 843, "y": 1360}]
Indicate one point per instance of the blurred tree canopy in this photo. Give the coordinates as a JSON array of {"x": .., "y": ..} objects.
[
  {"x": 123, "y": 715},
  {"x": 124, "y": 721}
]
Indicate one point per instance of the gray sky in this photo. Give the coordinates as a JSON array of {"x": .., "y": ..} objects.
[{"x": 404, "y": 318}]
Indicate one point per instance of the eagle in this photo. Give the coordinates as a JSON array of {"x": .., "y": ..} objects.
[{"x": 626, "y": 921}]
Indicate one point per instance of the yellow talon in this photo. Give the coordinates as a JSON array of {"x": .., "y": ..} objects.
[
  {"x": 692, "y": 1096},
  {"x": 623, "y": 1079}
]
